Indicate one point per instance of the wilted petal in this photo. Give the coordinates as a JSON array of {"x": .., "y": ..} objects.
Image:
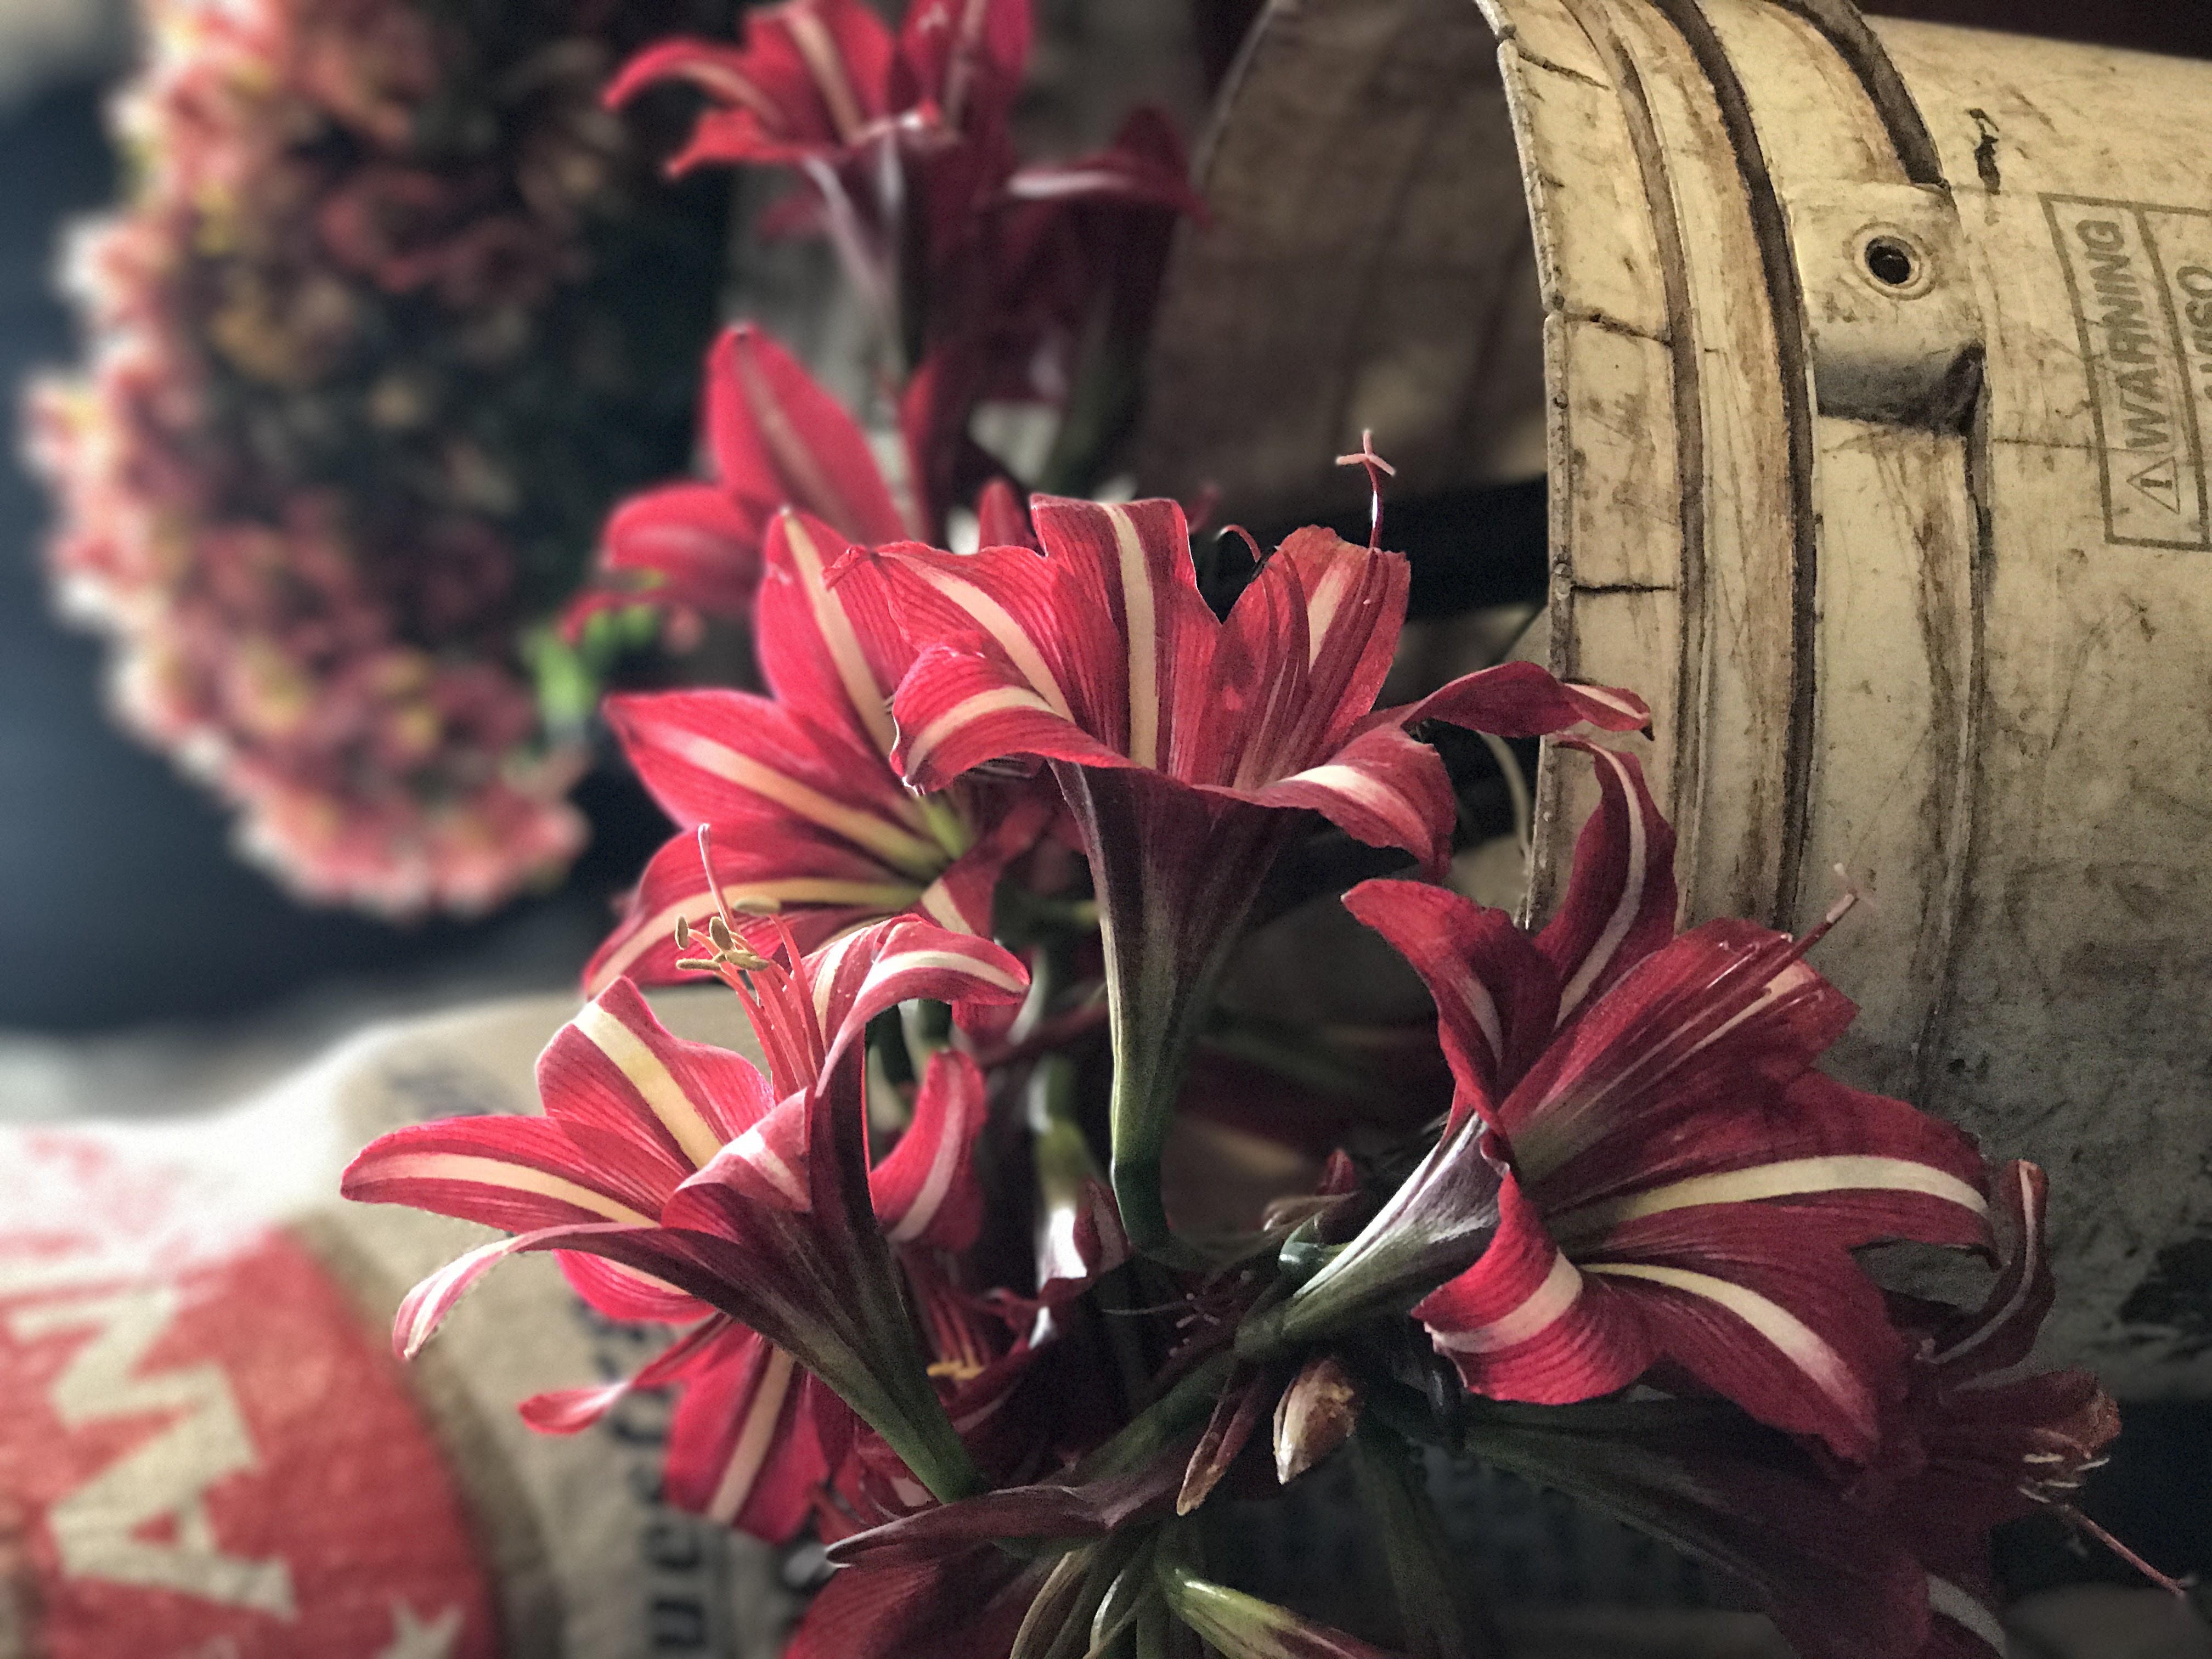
[
  {"x": 1236, "y": 1413},
  {"x": 1315, "y": 1415}
]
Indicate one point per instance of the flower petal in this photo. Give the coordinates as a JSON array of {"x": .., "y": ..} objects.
[
  {"x": 625, "y": 1088},
  {"x": 1494, "y": 994},
  {"x": 742, "y": 1448},
  {"x": 2001, "y": 1332},
  {"x": 925, "y": 1192},
  {"x": 701, "y": 543},
  {"x": 1382, "y": 788},
  {"x": 1620, "y": 900},
  {"x": 1523, "y": 1323},
  {"x": 518, "y": 1173},
  {"x": 832, "y": 655},
  {"x": 779, "y": 439},
  {"x": 1714, "y": 1010},
  {"x": 958, "y": 709},
  {"x": 425, "y": 1307},
  {"x": 1519, "y": 699},
  {"x": 898, "y": 960},
  {"x": 751, "y": 768},
  {"x": 967, "y": 57},
  {"x": 824, "y": 887},
  {"x": 570, "y": 1411},
  {"x": 621, "y": 1294}
]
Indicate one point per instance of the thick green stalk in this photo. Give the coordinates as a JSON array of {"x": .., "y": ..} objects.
[{"x": 1177, "y": 874}]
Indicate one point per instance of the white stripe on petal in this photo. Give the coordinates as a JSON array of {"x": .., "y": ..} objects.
[
  {"x": 1363, "y": 789},
  {"x": 1632, "y": 893},
  {"x": 1322, "y": 604},
  {"x": 479, "y": 1171},
  {"x": 995, "y": 620},
  {"x": 652, "y": 1080},
  {"x": 1791, "y": 1178},
  {"x": 1482, "y": 1008},
  {"x": 755, "y": 1441},
  {"x": 1791, "y": 1336},
  {"x": 943, "y": 1162},
  {"x": 2031, "y": 1249},
  {"x": 751, "y": 1148},
  {"x": 937, "y": 904},
  {"x": 889, "y": 842},
  {"x": 966, "y": 712},
  {"x": 1138, "y": 604},
  {"x": 1962, "y": 1608},
  {"x": 955, "y": 962},
  {"x": 869, "y": 699},
  {"x": 1544, "y": 1307}
]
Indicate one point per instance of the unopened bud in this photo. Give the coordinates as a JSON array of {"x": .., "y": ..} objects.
[{"x": 1315, "y": 1415}]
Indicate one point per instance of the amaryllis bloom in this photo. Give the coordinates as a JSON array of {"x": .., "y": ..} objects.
[
  {"x": 802, "y": 808},
  {"x": 1674, "y": 1187},
  {"x": 773, "y": 437},
  {"x": 713, "y": 1192},
  {"x": 987, "y": 274},
  {"x": 1188, "y": 748},
  {"x": 1982, "y": 1445}
]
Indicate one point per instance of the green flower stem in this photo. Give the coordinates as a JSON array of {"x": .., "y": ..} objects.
[
  {"x": 1178, "y": 872},
  {"x": 1422, "y": 1572}
]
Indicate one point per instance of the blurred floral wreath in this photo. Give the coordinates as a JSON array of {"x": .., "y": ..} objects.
[{"x": 394, "y": 309}]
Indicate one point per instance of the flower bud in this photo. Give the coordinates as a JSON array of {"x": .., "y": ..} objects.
[{"x": 1315, "y": 1416}]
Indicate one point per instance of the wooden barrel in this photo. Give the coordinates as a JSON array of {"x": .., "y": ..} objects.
[{"x": 1875, "y": 388}]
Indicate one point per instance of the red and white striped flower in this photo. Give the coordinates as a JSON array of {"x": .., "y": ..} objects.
[
  {"x": 804, "y": 811},
  {"x": 1980, "y": 1444},
  {"x": 1676, "y": 1187},
  {"x": 679, "y": 1183},
  {"x": 1189, "y": 748},
  {"x": 773, "y": 437}
]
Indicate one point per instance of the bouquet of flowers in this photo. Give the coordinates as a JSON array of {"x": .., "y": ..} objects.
[
  {"x": 395, "y": 309},
  {"x": 974, "y": 868},
  {"x": 1012, "y": 1255}
]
